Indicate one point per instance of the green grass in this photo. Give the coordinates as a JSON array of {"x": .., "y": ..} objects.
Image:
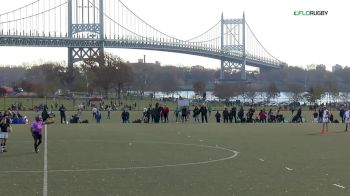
[{"x": 265, "y": 152}]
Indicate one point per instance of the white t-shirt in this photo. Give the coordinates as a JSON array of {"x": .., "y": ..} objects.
[
  {"x": 347, "y": 116},
  {"x": 325, "y": 117},
  {"x": 94, "y": 110}
]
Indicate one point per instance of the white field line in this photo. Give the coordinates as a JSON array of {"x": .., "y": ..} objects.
[
  {"x": 233, "y": 155},
  {"x": 289, "y": 169},
  {"x": 45, "y": 164},
  {"x": 339, "y": 186}
]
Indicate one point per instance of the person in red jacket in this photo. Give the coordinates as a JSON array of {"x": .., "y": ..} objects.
[
  {"x": 165, "y": 113},
  {"x": 262, "y": 116}
]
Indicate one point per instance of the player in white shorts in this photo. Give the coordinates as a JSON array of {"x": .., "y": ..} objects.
[
  {"x": 5, "y": 128},
  {"x": 325, "y": 120},
  {"x": 347, "y": 119}
]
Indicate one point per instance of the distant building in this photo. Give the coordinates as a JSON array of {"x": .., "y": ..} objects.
[
  {"x": 337, "y": 67},
  {"x": 321, "y": 67},
  {"x": 197, "y": 67},
  {"x": 140, "y": 62}
]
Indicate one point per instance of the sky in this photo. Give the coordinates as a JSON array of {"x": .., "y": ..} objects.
[{"x": 297, "y": 40}]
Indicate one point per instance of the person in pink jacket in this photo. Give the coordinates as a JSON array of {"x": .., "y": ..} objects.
[{"x": 36, "y": 129}]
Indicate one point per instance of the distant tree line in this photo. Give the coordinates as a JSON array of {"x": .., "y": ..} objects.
[{"x": 109, "y": 73}]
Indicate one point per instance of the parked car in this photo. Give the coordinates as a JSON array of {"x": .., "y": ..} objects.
[{"x": 18, "y": 90}]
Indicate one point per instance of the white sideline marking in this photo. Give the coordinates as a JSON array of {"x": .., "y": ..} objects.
[
  {"x": 45, "y": 164},
  {"x": 289, "y": 169},
  {"x": 339, "y": 186}
]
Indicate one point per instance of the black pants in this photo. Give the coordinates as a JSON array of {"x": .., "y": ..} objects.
[
  {"x": 166, "y": 118},
  {"x": 184, "y": 118},
  {"x": 225, "y": 119},
  {"x": 63, "y": 118},
  {"x": 204, "y": 116},
  {"x": 37, "y": 139}
]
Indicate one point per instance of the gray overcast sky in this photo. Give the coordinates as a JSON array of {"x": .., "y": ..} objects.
[{"x": 293, "y": 39}]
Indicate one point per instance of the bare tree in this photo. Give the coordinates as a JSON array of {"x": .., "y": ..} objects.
[
  {"x": 332, "y": 89},
  {"x": 168, "y": 83},
  {"x": 315, "y": 93},
  {"x": 199, "y": 88},
  {"x": 295, "y": 91},
  {"x": 107, "y": 71},
  {"x": 11, "y": 75},
  {"x": 251, "y": 92},
  {"x": 345, "y": 97},
  {"x": 142, "y": 81},
  {"x": 52, "y": 76},
  {"x": 225, "y": 91},
  {"x": 242, "y": 91},
  {"x": 272, "y": 91},
  {"x": 123, "y": 76}
]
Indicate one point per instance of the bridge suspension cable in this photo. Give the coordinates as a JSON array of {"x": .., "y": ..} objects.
[
  {"x": 20, "y": 8},
  {"x": 127, "y": 25},
  {"x": 38, "y": 18},
  {"x": 31, "y": 16},
  {"x": 214, "y": 28},
  {"x": 44, "y": 19},
  {"x": 127, "y": 19},
  {"x": 255, "y": 50},
  {"x": 210, "y": 38}
]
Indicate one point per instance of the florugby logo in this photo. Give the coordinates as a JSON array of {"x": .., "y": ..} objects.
[{"x": 310, "y": 13}]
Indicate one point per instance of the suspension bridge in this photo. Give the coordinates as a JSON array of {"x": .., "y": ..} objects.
[{"x": 86, "y": 27}]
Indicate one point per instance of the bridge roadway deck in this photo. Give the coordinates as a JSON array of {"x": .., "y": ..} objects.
[{"x": 176, "y": 47}]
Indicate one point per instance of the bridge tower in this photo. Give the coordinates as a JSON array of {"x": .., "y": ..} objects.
[
  {"x": 233, "y": 40},
  {"x": 85, "y": 21}
]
